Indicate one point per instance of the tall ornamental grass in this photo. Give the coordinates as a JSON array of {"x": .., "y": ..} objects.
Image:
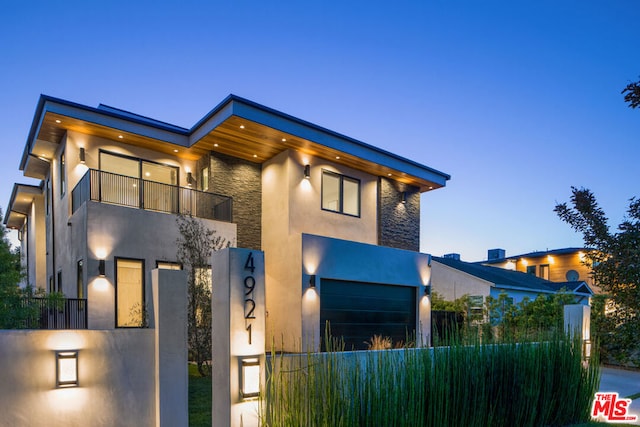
[{"x": 512, "y": 384}]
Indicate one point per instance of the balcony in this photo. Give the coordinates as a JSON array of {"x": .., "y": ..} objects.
[{"x": 106, "y": 187}]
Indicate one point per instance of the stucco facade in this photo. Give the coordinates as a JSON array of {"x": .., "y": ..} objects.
[{"x": 112, "y": 183}]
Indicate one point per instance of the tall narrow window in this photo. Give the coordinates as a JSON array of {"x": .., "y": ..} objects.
[
  {"x": 47, "y": 196},
  {"x": 130, "y": 307},
  {"x": 544, "y": 271},
  {"x": 59, "y": 281},
  {"x": 80, "y": 279},
  {"x": 340, "y": 193},
  {"x": 62, "y": 174},
  {"x": 204, "y": 179}
]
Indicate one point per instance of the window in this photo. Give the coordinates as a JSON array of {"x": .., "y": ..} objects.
[
  {"x": 544, "y": 271},
  {"x": 531, "y": 269},
  {"x": 340, "y": 194},
  {"x": 47, "y": 196},
  {"x": 129, "y": 293},
  {"x": 62, "y": 175},
  {"x": 168, "y": 265},
  {"x": 476, "y": 307},
  {"x": 51, "y": 288},
  {"x": 59, "y": 281},
  {"x": 80, "y": 279},
  {"x": 204, "y": 179}
]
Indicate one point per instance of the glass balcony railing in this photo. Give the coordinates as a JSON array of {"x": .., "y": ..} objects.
[{"x": 107, "y": 187}]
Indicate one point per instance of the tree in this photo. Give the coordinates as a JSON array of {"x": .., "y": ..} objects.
[
  {"x": 10, "y": 270},
  {"x": 632, "y": 94},
  {"x": 195, "y": 245},
  {"x": 614, "y": 259},
  {"x": 10, "y": 276}
]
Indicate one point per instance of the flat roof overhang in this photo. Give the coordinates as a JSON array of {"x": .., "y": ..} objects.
[
  {"x": 236, "y": 127},
  {"x": 19, "y": 207}
]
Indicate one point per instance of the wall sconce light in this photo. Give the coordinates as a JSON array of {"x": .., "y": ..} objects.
[
  {"x": 102, "y": 268},
  {"x": 81, "y": 155},
  {"x": 586, "y": 349},
  {"x": 427, "y": 290},
  {"x": 190, "y": 179},
  {"x": 307, "y": 171},
  {"x": 250, "y": 377},
  {"x": 403, "y": 197},
  {"x": 66, "y": 369},
  {"x": 312, "y": 281}
]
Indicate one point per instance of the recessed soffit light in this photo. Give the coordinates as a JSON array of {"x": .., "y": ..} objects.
[
  {"x": 120, "y": 136},
  {"x": 215, "y": 145},
  {"x": 241, "y": 126},
  {"x": 58, "y": 121},
  {"x": 175, "y": 150}
]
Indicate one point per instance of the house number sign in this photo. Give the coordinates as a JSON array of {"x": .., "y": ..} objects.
[{"x": 249, "y": 287}]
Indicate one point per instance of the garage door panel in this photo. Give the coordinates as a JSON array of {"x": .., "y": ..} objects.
[{"x": 356, "y": 311}]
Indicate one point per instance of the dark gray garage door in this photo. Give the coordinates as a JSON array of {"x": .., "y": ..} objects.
[{"x": 356, "y": 311}]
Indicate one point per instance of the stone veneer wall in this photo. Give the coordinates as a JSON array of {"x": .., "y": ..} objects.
[
  {"x": 241, "y": 180},
  {"x": 398, "y": 223}
]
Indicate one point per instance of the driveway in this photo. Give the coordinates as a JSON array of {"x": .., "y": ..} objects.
[{"x": 625, "y": 382}]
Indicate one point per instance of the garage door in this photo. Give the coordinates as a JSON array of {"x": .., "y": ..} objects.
[{"x": 356, "y": 311}]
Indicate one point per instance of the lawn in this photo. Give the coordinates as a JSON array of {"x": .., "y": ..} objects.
[{"x": 199, "y": 398}]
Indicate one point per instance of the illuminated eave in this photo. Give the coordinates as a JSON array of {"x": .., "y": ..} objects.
[{"x": 236, "y": 127}]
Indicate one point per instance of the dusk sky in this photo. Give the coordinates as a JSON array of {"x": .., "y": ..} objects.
[{"x": 517, "y": 101}]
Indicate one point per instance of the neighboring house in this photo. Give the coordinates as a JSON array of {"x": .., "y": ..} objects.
[
  {"x": 556, "y": 265},
  {"x": 335, "y": 217},
  {"x": 452, "y": 278}
]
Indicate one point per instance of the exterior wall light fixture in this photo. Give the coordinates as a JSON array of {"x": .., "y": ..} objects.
[
  {"x": 312, "y": 281},
  {"x": 66, "y": 369},
  {"x": 102, "y": 268},
  {"x": 403, "y": 197},
  {"x": 190, "y": 179},
  {"x": 250, "y": 377},
  {"x": 307, "y": 171},
  {"x": 81, "y": 155},
  {"x": 427, "y": 290}
]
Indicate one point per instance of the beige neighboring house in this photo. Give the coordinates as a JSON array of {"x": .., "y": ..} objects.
[{"x": 337, "y": 219}]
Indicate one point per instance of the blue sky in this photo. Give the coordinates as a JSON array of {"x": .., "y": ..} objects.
[{"x": 517, "y": 101}]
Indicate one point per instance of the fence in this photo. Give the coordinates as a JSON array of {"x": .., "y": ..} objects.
[
  {"x": 51, "y": 313},
  {"x": 139, "y": 193}
]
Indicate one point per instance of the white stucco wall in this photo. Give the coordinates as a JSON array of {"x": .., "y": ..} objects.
[
  {"x": 115, "y": 372},
  {"x": 126, "y": 377},
  {"x": 116, "y": 231},
  {"x": 452, "y": 284},
  {"x": 292, "y": 206}
]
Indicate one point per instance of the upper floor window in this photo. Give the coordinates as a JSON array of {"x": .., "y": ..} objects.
[
  {"x": 531, "y": 269},
  {"x": 340, "y": 193},
  {"x": 61, "y": 174}
]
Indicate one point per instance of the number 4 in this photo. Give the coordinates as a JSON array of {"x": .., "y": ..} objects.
[{"x": 248, "y": 265}]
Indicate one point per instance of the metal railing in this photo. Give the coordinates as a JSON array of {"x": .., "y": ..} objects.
[
  {"x": 45, "y": 313},
  {"x": 107, "y": 187}
]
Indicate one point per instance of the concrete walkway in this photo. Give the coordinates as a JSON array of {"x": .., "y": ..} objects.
[{"x": 625, "y": 382}]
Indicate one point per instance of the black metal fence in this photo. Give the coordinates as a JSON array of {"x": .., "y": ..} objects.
[
  {"x": 53, "y": 313},
  {"x": 107, "y": 187}
]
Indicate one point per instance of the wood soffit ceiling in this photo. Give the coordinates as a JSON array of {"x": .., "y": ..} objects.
[{"x": 235, "y": 137}]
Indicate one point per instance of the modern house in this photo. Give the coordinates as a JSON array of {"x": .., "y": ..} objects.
[
  {"x": 337, "y": 219},
  {"x": 453, "y": 278},
  {"x": 556, "y": 265}
]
